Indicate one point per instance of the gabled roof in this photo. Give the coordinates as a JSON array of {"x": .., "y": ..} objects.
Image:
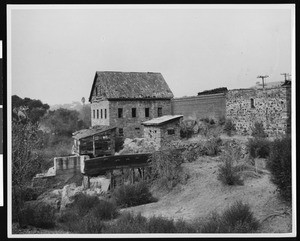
[
  {"x": 91, "y": 132},
  {"x": 161, "y": 120},
  {"x": 132, "y": 85}
]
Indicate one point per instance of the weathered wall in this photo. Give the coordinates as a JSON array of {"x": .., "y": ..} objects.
[
  {"x": 68, "y": 166},
  {"x": 197, "y": 107},
  {"x": 271, "y": 107},
  {"x": 100, "y": 105},
  {"x": 159, "y": 134},
  {"x": 132, "y": 127}
]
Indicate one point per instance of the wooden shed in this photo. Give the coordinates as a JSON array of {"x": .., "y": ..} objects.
[{"x": 95, "y": 142}]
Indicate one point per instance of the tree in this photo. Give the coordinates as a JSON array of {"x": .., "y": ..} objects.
[
  {"x": 63, "y": 121},
  {"x": 25, "y": 162}
]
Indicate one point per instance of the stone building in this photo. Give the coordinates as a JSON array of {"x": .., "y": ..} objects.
[
  {"x": 162, "y": 130},
  {"x": 126, "y": 99},
  {"x": 269, "y": 106}
]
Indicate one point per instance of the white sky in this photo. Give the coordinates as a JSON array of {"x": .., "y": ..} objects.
[{"x": 55, "y": 52}]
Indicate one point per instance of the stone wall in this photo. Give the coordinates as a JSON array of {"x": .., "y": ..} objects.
[
  {"x": 99, "y": 106},
  {"x": 197, "y": 107},
  {"x": 159, "y": 135},
  {"x": 270, "y": 106},
  {"x": 131, "y": 126}
]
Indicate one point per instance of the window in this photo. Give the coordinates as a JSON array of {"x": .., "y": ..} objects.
[
  {"x": 105, "y": 113},
  {"x": 93, "y": 114},
  {"x": 121, "y": 132},
  {"x": 97, "y": 114},
  {"x": 159, "y": 111},
  {"x": 133, "y": 112},
  {"x": 252, "y": 103},
  {"x": 146, "y": 112},
  {"x": 120, "y": 112},
  {"x": 101, "y": 114},
  {"x": 171, "y": 131}
]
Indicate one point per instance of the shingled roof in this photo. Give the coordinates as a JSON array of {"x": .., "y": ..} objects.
[{"x": 131, "y": 85}]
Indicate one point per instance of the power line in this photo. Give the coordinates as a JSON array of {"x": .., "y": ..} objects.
[
  {"x": 285, "y": 76},
  {"x": 263, "y": 78}
]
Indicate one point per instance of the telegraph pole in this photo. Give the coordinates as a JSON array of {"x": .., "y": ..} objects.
[
  {"x": 285, "y": 76},
  {"x": 263, "y": 78}
]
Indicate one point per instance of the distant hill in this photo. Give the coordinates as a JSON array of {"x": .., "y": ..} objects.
[{"x": 75, "y": 105}]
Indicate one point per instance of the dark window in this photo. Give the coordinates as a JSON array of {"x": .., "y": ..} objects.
[
  {"x": 97, "y": 114},
  {"x": 133, "y": 112},
  {"x": 101, "y": 114},
  {"x": 159, "y": 111},
  {"x": 252, "y": 103},
  {"x": 121, "y": 132},
  {"x": 146, "y": 112},
  {"x": 105, "y": 113},
  {"x": 93, "y": 114},
  {"x": 120, "y": 112},
  {"x": 171, "y": 131}
]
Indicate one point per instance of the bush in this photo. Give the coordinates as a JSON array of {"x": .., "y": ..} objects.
[
  {"x": 105, "y": 210},
  {"x": 161, "y": 225},
  {"x": 222, "y": 120},
  {"x": 258, "y": 147},
  {"x": 258, "y": 130},
  {"x": 186, "y": 132},
  {"x": 239, "y": 218},
  {"x": 132, "y": 195},
  {"x": 128, "y": 223},
  {"x": 166, "y": 167},
  {"x": 229, "y": 127},
  {"x": 41, "y": 216},
  {"x": 279, "y": 164},
  {"x": 228, "y": 173},
  {"x": 236, "y": 219},
  {"x": 212, "y": 146},
  {"x": 83, "y": 203}
]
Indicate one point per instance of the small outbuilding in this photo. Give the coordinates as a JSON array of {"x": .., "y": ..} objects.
[
  {"x": 96, "y": 141},
  {"x": 160, "y": 131}
]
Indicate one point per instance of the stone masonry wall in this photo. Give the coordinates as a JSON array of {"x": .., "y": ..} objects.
[
  {"x": 132, "y": 127},
  {"x": 270, "y": 107},
  {"x": 197, "y": 107},
  {"x": 153, "y": 134},
  {"x": 98, "y": 106}
]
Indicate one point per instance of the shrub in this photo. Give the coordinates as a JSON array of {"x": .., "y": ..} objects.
[
  {"x": 222, "y": 120},
  {"x": 166, "y": 167},
  {"x": 212, "y": 146},
  {"x": 41, "y": 216},
  {"x": 208, "y": 120},
  {"x": 132, "y": 195},
  {"x": 228, "y": 174},
  {"x": 239, "y": 218},
  {"x": 258, "y": 147},
  {"x": 128, "y": 223},
  {"x": 105, "y": 210},
  {"x": 83, "y": 203},
  {"x": 258, "y": 130},
  {"x": 229, "y": 127},
  {"x": 279, "y": 163},
  {"x": 161, "y": 225}
]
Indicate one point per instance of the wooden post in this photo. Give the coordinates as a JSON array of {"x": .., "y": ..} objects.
[
  {"x": 132, "y": 177},
  {"x": 143, "y": 173},
  {"x": 112, "y": 180},
  {"x": 94, "y": 147},
  {"x": 89, "y": 185}
]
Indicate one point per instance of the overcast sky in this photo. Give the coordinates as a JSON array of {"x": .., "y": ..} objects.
[{"x": 56, "y": 52}]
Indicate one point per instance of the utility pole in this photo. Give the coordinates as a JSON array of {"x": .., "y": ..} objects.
[
  {"x": 285, "y": 76},
  {"x": 263, "y": 78}
]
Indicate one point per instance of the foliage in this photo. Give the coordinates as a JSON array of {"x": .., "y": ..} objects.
[
  {"x": 279, "y": 163},
  {"x": 36, "y": 109},
  {"x": 186, "y": 128},
  {"x": 132, "y": 195},
  {"x": 208, "y": 120},
  {"x": 238, "y": 218},
  {"x": 63, "y": 121},
  {"x": 213, "y": 91},
  {"x": 85, "y": 115},
  {"x": 229, "y": 127},
  {"x": 87, "y": 214},
  {"x": 25, "y": 161},
  {"x": 41, "y": 216},
  {"x": 258, "y": 147},
  {"x": 222, "y": 120},
  {"x": 166, "y": 167},
  {"x": 212, "y": 146},
  {"x": 258, "y": 130},
  {"x": 119, "y": 144},
  {"x": 228, "y": 173}
]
